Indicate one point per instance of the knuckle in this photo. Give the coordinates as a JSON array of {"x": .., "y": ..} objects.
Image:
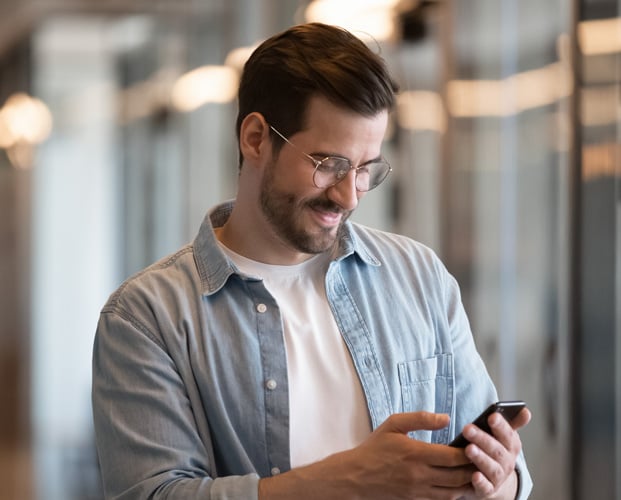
[
  {"x": 498, "y": 454},
  {"x": 497, "y": 475}
]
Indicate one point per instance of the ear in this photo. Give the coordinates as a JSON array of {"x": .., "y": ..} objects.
[{"x": 254, "y": 138}]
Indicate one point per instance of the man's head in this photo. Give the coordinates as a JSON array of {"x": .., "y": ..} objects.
[{"x": 286, "y": 70}]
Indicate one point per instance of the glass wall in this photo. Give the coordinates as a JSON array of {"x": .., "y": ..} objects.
[
  {"x": 506, "y": 162},
  {"x": 504, "y": 199},
  {"x": 596, "y": 393}
]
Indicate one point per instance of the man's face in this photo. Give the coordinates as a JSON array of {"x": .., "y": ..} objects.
[{"x": 304, "y": 217}]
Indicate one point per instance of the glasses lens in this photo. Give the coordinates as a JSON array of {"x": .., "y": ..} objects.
[
  {"x": 371, "y": 175},
  {"x": 329, "y": 171}
]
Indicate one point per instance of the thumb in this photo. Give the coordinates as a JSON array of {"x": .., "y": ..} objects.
[
  {"x": 521, "y": 419},
  {"x": 413, "y": 421}
]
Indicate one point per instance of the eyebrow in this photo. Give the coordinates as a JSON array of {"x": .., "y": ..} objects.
[{"x": 321, "y": 154}]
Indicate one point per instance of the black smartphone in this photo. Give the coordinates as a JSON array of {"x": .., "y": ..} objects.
[{"x": 508, "y": 409}]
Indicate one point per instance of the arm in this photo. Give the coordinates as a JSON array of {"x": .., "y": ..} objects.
[{"x": 149, "y": 441}]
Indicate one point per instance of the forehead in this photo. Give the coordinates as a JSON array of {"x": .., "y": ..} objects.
[{"x": 337, "y": 130}]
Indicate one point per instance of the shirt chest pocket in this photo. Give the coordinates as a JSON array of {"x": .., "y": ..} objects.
[{"x": 427, "y": 385}]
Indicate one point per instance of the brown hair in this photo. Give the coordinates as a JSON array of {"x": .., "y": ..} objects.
[{"x": 286, "y": 70}]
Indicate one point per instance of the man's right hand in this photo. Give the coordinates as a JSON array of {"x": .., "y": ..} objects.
[{"x": 388, "y": 465}]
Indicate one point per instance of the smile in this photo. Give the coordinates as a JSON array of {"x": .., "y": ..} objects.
[{"x": 327, "y": 218}]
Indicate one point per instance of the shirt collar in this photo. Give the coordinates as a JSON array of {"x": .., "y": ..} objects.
[{"x": 215, "y": 268}]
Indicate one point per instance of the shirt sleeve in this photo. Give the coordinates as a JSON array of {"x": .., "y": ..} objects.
[
  {"x": 148, "y": 440},
  {"x": 525, "y": 482},
  {"x": 474, "y": 388}
]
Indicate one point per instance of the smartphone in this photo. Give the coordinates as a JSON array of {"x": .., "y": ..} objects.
[{"x": 508, "y": 409}]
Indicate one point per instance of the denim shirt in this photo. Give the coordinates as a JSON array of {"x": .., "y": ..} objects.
[{"x": 190, "y": 395}]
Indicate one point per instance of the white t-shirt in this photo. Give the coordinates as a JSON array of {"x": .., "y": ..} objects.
[{"x": 328, "y": 411}]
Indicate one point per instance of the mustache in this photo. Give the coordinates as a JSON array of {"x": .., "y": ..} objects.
[{"x": 326, "y": 205}]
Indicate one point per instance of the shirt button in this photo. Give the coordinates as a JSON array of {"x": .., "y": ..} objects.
[
  {"x": 261, "y": 308},
  {"x": 271, "y": 384},
  {"x": 275, "y": 471}
]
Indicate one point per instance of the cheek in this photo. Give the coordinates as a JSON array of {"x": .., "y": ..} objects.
[{"x": 294, "y": 176}]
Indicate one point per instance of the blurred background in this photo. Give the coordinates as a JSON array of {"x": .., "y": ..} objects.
[{"x": 117, "y": 134}]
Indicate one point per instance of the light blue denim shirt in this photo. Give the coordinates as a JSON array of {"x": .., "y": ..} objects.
[{"x": 190, "y": 395}]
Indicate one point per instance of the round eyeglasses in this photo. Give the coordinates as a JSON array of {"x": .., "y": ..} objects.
[{"x": 330, "y": 170}]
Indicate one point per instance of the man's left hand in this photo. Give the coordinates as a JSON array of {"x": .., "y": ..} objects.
[{"x": 495, "y": 456}]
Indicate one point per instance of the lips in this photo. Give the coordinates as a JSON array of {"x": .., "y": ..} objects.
[
  {"x": 327, "y": 218},
  {"x": 326, "y": 213}
]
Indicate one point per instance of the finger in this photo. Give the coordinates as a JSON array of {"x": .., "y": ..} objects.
[
  {"x": 414, "y": 421},
  {"x": 501, "y": 430},
  {"x": 482, "y": 485},
  {"x": 493, "y": 456},
  {"x": 496, "y": 421},
  {"x": 506, "y": 433},
  {"x": 451, "y": 477},
  {"x": 503, "y": 444},
  {"x": 521, "y": 419},
  {"x": 494, "y": 462}
]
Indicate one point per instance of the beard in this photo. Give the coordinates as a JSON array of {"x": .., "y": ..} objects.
[{"x": 285, "y": 213}]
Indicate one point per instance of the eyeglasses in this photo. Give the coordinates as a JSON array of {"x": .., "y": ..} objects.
[{"x": 330, "y": 170}]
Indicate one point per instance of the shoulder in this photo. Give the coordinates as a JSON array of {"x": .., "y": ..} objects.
[
  {"x": 403, "y": 260},
  {"x": 164, "y": 281},
  {"x": 384, "y": 245}
]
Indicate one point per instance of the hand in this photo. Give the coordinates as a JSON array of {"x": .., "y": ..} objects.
[
  {"x": 388, "y": 465},
  {"x": 494, "y": 456},
  {"x": 417, "y": 469}
]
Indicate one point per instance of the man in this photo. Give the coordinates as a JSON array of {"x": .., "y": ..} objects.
[{"x": 287, "y": 352}]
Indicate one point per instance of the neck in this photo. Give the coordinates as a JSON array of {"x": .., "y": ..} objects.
[{"x": 257, "y": 241}]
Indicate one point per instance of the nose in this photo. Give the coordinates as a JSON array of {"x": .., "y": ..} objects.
[{"x": 344, "y": 193}]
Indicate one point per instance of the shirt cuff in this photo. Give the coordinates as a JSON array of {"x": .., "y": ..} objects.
[{"x": 519, "y": 483}]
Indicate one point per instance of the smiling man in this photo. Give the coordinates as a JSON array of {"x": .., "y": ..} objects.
[
  {"x": 288, "y": 352},
  {"x": 293, "y": 205}
]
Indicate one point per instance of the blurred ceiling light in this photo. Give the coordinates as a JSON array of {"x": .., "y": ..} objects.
[
  {"x": 600, "y": 36},
  {"x": 421, "y": 110},
  {"x": 372, "y": 19},
  {"x": 527, "y": 90},
  {"x": 24, "y": 119},
  {"x": 598, "y": 106},
  {"x": 7, "y": 137},
  {"x": 236, "y": 58},
  {"x": 600, "y": 160},
  {"x": 217, "y": 84},
  {"x": 542, "y": 86}
]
